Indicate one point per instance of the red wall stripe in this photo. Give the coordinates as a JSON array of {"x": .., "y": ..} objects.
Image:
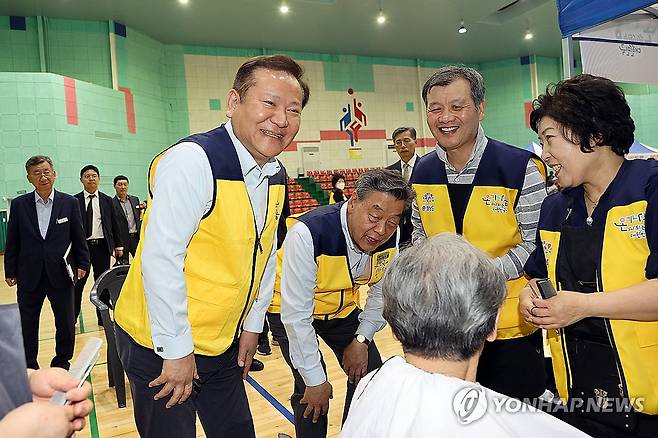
[
  {"x": 71, "y": 101},
  {"x": 527, "y": 106},
  {"x": 293, "y": 146},
  {"x": 365, "y": 134},
  {"x": 130, "y": 109},
  {"x": 427, "y": 142}
]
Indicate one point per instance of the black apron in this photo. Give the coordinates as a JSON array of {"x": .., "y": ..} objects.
[{"x": 596, "y": 376}]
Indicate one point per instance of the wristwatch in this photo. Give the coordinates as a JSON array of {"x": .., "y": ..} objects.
[{"x": 362, "y": 339}]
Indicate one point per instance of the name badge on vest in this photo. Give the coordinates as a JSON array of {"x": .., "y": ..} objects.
[{"x": 381, "y": 261}]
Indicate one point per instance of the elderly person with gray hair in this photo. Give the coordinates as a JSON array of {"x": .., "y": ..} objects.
[
  {"x": 328, "y": 254},
  {"x": 491, "y": 193},
  {"x": 442, "y": 314}
]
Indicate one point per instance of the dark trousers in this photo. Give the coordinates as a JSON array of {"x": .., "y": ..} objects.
[
  {"x": 514, "y": 367},
  {"x": 221, "y": 401},
  {"x": 129, "y": 247},
  {"x": 30, "y": 304},
  {"x": 100, "y": 261},
  {"x": 263, "y": 336},
  {"x": 338, "y": 333}
]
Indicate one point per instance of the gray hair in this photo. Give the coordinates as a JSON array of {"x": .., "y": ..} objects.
[
  {"x": 387, "y": 181},
  {"x": 36, "y": 160},
  {"x": 402, "y": 129},
  {"x": 441, "y": 298},
  {"x": 449, "y": 74}
]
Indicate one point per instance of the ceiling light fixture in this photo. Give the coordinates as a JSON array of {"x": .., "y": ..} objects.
[
  {"x": 381, "y": 18},
  {"x": 284, "y": 9},
  {"x": 528, "y": 35},
  {"x": 183, "y": 2},
  {"x": 462, "y": 28}
]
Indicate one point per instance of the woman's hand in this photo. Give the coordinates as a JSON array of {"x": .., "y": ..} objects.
[{"x": 563, "y": 309}]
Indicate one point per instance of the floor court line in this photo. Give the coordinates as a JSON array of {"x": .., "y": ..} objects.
[{"x": 270, "y": 398}]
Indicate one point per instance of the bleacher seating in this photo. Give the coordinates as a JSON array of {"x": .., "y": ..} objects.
[{"x": 323, "y": 177}]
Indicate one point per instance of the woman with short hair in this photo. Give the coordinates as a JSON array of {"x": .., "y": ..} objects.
[{"x": 597, "y": 242}]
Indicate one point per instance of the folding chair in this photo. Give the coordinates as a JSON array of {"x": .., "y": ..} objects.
[{"x": 111, "y": 282}]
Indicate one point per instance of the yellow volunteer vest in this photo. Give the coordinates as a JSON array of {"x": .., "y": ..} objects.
[
  {"x": 623, "y": 260},
  {"x": 225, "y": 259},
  {"x": 489, "y": 221},
  {"x": 336, "y": 292}
]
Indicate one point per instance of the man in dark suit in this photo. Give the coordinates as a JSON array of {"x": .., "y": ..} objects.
[
  {"x": 101, "y": 230},
  {"x": 127, "y": 209},
  {"x": 404, "y": 139},
  {"x": 43, "y": 225}
]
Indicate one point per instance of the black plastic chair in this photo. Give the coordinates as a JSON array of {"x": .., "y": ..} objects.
[{"x": 111, "y": 282}]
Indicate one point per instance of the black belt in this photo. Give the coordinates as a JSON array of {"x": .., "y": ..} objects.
[
  {"x": 95, "y": 241},
  {"x": 133, "y": 234}
]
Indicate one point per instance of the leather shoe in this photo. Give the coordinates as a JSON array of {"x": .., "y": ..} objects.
[
  {"x": 264, "y": 348},
  {"x": 257, "y": 365}
]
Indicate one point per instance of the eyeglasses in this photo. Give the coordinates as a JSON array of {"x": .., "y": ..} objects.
[
  {"x": 406, "y": 140},
  {"x": 46, "y": 173}
]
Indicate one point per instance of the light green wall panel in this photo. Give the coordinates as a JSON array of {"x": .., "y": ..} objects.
[
  {"x": 506, "y": 88},
  {"x": 79, "y": 49},
  {"x": 19, "y": 50},
  {"x": 339, "y": 76}
]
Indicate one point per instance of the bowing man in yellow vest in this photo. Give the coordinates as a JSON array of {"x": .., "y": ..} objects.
[
  {"x": 195, "y": 297},
  {"x": 490, "y": 193},
  {"x": 328, "y": 254},
  {"x": 598, "y": 244}
]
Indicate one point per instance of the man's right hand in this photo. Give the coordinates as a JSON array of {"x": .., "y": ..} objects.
[
  {"x": 11, "y": 281},
  {"x": 176, "y": 376},
  {"x": 316, "y": 399},
  {"x": 526, "y": 296}
]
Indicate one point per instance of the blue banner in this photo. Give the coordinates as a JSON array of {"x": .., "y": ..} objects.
[{"x": 577, "y": 15}]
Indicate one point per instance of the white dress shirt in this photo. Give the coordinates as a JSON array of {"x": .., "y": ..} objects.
[
  {"x": 97, "y": 223},
  {"x": 298, "y": 281},
  {"x": 183, "y": 188},
  {"x": 44, "y": 210},
  {"x": 400, "y": 401}
]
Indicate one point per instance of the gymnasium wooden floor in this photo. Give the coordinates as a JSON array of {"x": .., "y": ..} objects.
[{"x": 109, "y": 421}]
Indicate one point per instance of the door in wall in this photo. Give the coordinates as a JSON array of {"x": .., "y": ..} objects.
[{"x": 311, "y": 158}]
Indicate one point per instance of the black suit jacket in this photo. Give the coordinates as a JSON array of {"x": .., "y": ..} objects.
[
  {"x": 27, "y": 254},
  {"x": 406, "y": 227},
  {"x": 108, "y": 220},
  {"x": 122, "y": 219}
]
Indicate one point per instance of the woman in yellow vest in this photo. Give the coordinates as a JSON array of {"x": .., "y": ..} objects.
[
  {"x": 337, "y": 187},
  {"x": 597, "y": 242}
]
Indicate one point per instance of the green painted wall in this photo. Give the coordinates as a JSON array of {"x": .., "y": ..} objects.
[
  {"x": 549, "y": 70},
  {"x": 33, "y": 116},
  {"x": 39, "y": 126},
  {"x": 19, "y": 49},
  {"x": 643, "y": 100},
  {"x": 79, "y": 49},
  {"x": 507, "y": 88},
  {"x": 33, "y": 111}
]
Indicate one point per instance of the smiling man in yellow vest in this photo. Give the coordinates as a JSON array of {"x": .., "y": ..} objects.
[
  {"x": 195, "y": 298},
  {"x": 491, "y": 193},
  {"x": 327, "y": 255}
]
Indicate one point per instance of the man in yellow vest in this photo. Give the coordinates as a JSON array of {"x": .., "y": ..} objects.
[
  {"x": 491, "y": 193},
  {"x": 328, "y": 254},
  {"x": 195, "y": 297}
]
